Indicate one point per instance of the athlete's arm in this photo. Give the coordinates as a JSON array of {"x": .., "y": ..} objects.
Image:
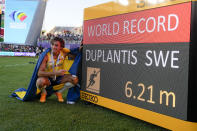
[{"x": 43, "y": 73}]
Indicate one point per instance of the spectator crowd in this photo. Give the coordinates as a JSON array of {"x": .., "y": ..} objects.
[
  {"x": 43, "y": 42},
  {"x": 17, "y": 48},
  {"x": 67, "y": 36}
]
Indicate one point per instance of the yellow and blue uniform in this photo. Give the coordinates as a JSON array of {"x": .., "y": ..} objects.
[
  {"x": 58, "y": 64},
  {"x": 62, "y": 62}
]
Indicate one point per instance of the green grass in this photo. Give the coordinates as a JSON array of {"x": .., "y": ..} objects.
[{"x": 16, "y": 115}]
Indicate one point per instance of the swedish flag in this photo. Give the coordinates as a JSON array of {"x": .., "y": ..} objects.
[{"x": 31, "y": 92}]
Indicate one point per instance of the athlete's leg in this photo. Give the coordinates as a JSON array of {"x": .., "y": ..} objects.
[
  {"x": 42, "y": 83},
  {"x": 69, "y": 81}
]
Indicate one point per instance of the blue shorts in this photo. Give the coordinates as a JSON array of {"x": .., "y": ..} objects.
[{"x": 57, "y": 81}]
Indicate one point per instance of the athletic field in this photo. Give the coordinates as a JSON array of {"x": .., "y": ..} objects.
[{"x": 15, "y": 115}]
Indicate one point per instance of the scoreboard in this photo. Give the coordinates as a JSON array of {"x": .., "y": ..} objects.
[{"x": 140, "y": 60}]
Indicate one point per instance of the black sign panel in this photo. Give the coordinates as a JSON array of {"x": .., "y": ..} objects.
[{"x": 149, "y": 76}]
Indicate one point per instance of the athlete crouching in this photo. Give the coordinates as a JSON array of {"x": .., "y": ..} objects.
[{"x": 51, "y": 71}]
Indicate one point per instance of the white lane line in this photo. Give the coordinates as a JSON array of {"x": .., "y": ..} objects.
[{"x": 13, "y": 65}]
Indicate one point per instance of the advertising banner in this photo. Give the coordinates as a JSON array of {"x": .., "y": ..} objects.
[
  {"x": 18, "y": 18},
  {"x": 3, "y": 53}
]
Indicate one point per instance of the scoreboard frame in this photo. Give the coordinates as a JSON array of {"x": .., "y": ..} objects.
[{"x": 187, "y": 120}]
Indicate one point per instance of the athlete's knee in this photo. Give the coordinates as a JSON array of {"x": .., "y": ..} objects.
[
  {"x": 42, "y": 82},
  {"x": 74, "y": 80},
  {"x": 66, "y": 78}
]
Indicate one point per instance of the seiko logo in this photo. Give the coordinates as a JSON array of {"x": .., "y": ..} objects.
[{"x": 88, "y": 97}]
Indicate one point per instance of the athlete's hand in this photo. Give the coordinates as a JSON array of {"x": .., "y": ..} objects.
[
  {"x": 65, "y": 50},
  {"x": 75, "y": 80},
  {"x": 60, "y": 72}
]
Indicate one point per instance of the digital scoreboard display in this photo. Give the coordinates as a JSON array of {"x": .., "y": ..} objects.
[{"x": 141, "y": 61}]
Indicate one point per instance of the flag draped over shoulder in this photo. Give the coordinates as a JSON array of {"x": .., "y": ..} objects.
[
  {"x": 30, "y": 93},
  {"x": 75, "y": 66}
]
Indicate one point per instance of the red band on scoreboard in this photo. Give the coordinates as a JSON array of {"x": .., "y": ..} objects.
[{"x": 159, "y": 25}]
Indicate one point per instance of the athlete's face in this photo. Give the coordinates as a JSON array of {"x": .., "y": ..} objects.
[{"x": 56, "y": 47}]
